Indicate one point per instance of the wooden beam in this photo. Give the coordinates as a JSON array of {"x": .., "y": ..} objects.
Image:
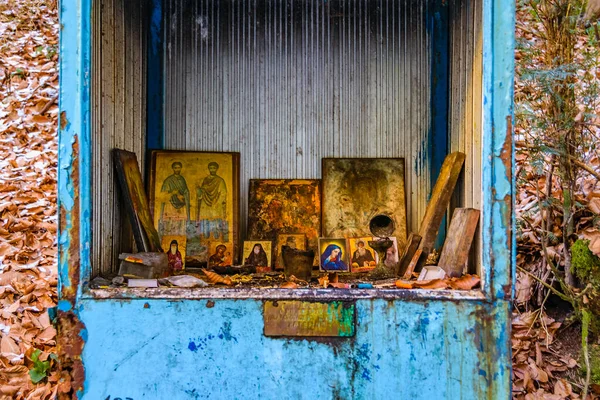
[
  {"x": 458, "y": 241},
  {"x": 440, "y": 199},
  {"x": 413, "y": 264},
  {"x": 412, "y": 244}
]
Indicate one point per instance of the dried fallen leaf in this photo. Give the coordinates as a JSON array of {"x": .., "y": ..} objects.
[
  {"x": 215, "y": 278},
  {"x": 339, "y": 285},
  {"x": 8, "y": 346},
  {"x": 289, "y": 285},
  {"x": 465, "y": 282},
  {"x": 563, "y": 388},
  {"x": 404, "y": 284},
  {"x": 432, "y": 284},
  {"x": 324, "y": 281}
]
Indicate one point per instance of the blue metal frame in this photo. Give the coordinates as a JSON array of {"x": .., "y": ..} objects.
[
  {"x": 498, "y": 221},
  {"x": 192, "y": 348},
  {"x": 155, "y": 131},
  {"x": 75, "y": 153},
  {"x": 440, "y": 80}
]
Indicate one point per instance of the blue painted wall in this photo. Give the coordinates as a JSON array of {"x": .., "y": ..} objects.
[{"x": 161, "y": 349}]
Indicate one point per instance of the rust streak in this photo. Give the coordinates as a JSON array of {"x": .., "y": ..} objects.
[
  {"x": 506, "y": 153},
  {"x": 69, "y": 292},
  {"x": 63, "y": 120},
  {"x": 70, "y": 346},
  {"x": 71, "y": 330}
]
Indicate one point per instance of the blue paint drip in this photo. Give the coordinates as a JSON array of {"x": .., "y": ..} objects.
[
  {"x": 363, "y": 359},
  {"x": 225, "y": 332}
]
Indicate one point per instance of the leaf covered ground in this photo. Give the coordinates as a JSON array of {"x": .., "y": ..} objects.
[{"x": 28, "y": 217}]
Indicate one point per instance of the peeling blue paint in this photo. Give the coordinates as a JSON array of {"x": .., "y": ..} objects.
[
  {"x": 64, "y": 305},
  {"x": 384, "y": 361}
]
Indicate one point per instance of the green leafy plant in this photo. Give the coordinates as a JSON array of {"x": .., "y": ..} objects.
[{"x": 40, "y": 368}]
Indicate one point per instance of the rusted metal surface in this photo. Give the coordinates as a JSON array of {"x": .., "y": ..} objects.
[
  {"x": 69, "y": 292},
  {"x": 303, "y": 318},
  {"x": 70, "y": 341}
]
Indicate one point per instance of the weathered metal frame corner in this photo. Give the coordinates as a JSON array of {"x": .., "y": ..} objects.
[
  {"x": 74, "y": 185},
  {"x": 498, "y": 222}
]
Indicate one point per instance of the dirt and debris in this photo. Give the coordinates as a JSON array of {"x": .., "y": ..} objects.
[{"x": 279, "y": 280}]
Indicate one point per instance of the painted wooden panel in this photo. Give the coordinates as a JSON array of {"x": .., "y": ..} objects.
[{"x": 118, "y": 117}]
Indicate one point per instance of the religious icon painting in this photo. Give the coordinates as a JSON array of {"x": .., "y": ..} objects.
[
  {"x": 285, "y": 206},
  {"x": 392, "y": 257},
  {"x": 295, "y": 241},
  {"x": 332, "y": 255},
  {"x": 175, "y": 246},
  {"x": 196, "y": 195},
  {"x": 258, "y": 254},
  {"x": 220, "y": 256},
  {"x": 362, "y": 257},
  {"x": 357, "y": 189},
  {"x": 136, "y": 203}
]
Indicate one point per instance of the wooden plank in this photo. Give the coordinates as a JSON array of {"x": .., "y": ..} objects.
[
  {"x": 414, "y": 262},
  {"x": 411, "y": 246},
  {"x": 107, "y": 184},
  {"x": 458, "y": 241},
  {"x": 440, "y": 199}
]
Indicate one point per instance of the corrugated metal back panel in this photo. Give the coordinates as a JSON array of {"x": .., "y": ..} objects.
[
  {"x": 465, "y": 127},
  {"x": 118, "y": 117},
  {"x": 287, "y": 83}
]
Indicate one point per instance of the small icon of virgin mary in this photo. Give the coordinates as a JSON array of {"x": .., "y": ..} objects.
[{"x": 331, "y": 259}]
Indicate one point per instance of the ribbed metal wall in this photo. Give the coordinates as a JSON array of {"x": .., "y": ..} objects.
[
  {"x": 465, "y": 112},
  {"x": 466, "y": 96},
  {"x": 287, "y": 83},
  {"x": 118, "y": 117}
]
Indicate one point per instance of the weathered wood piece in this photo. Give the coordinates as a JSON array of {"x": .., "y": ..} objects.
[
  {"x": 144, "y": 265},
  {"x": 413, "y": 264},
  {"x": 440, "y": 199},
  {"x": 412, "y": 244},
  {"x": 455, "y": 252}
]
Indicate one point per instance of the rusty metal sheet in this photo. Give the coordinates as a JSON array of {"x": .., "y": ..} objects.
[{"x": 302, "y": 318}]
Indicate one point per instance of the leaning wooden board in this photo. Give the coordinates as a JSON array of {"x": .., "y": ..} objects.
[
  {"x": 440, "y": 199},
  {"x": 455, "y": 252},
  {"x": 412, "y": 244}
]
